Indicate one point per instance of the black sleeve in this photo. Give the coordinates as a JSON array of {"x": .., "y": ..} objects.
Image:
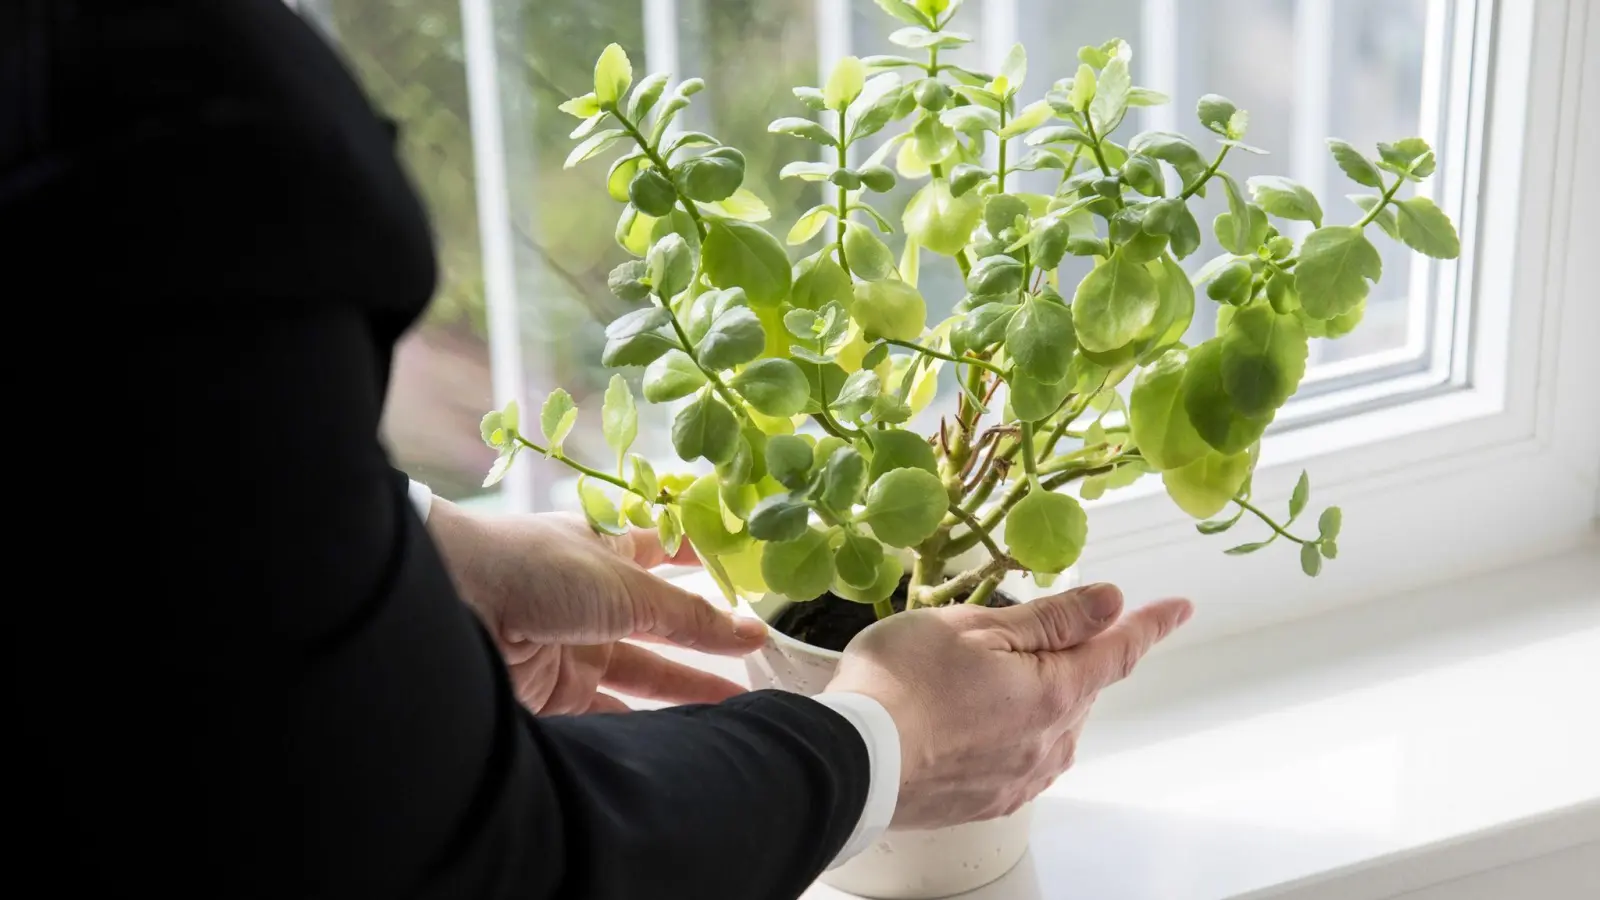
[{"x": 281, "y": 695}]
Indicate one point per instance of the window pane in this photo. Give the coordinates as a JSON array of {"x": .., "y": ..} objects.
[{"x": 408, "y": 55}]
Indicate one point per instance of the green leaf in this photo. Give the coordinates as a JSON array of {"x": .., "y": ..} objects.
[
  {"x": 1330, "y": 549},
  {"x": 922, "y": 39},
  {"x": 1410, "y": 155},
  {"x": 637, "y": 338},
  {"x": 1218, "y": 526},
  {"x": 1041, "y": 339},
  {"x": 905, "y": 506},
  {"x": 845, "y": 83},
  {"x": 878, "y": 103},
  {"x": 671, "y": 376},
  {"x": 780, "y": 517},
  {"x": 1263, "y": 359},
  {"x": 905, "y": 12},
  {"x": 1355, "y": 165},
  {"x": 878, "y": 178},
  {"x": 1045, "y": 532},
  {"x": 670, "y": 530},
  {"x": 645, "y": 94},
  {"x": 557, "y": 418},
  {"x": 803, "y": 128},
  {"x": 1160, "y": 426},
  {"x": 623, "y": 170},
  {"x": 712, "y": 176},
  {"x": 807, "y": 171},
  {"x": 612, "y": 75},
  {"x": 1386, "y": 217},
  {"x": 705, "y": 428},
  {"x": 801, "y": 569},
  {"x": 1174, "y": 149},
  {"x": 1204, "y": 487},
  {"x": 939, "y": 221},
  {"x": 858, "y": 560},
  {"x": 1426, "y": 229},
  {"x": 1114, "y": 304},
  {"x": 1329, "y": 523},
  {"x": 1286, "y": 199},
  {"x": 973, "y": 119},
  {"x": 775, "y": 387},
  {"x": 1215, "y": 112},
  {"x": 652, "y": 193},
  {"x": 1014, "y": 68},
  {"x": 868, "y": 256},
  {"x": 670, "y": 265},
  {"x": 739, "y": 254},
  {"x": 627, "y": 281},
  {"x": 1211, "y": 409},
  {"x": 592, "y": 146},
  {"x": 1301, "y": 495},
  {"x": 1032, "y": 400},
  {"x": 857, "y": 395},
  {"x": 619, "y": 417},
  {"x": 1110, "y": 102},
  {"x": 643, "y": 481},
  {"x": 735, "y": 338},
  {"x": 1310, "y": 560},
  {"x": 995, "y": 276},
  {"x": 1336, "y": 264},
  {"x": 889, "y": 309},
  {"x": 1082, "y": 90},
  {"x": 599, "y": 509},
  {"x": 703, "y": 522},
  {"x": 1177, "y": 306},
  {"x": 1245, "y": 549},
  {"x": 789, "y": 460},
  {"x": 583, "y": 107},
  {"x": 818, "y": 281},
  {"x": 843, "y": 478},
  {"x": 898, "y": 449}
]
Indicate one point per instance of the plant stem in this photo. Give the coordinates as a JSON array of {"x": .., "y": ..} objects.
[
  {"x": 1000, "y": 168},
  {"x": 936, "y": 354},
  {"x": 1206, "y": 176},
  {"x": 980, "y": 595},
  {"x": 843, "y": 197},
  {"x": 1094, "y": 145},
  {"x": 573, "y": 464},
  {"x": 1377, "y": 208},
  {"x": 1246, "y": 504},
  {"x": 965, "y": 582},
  {"x": 651, "y": 153},
  {"x": 717, "y": 384},
  {"x": 884, "y": 608},
  {"x": 1029, "y": 463},
  {"x": 972, "y": 522}
]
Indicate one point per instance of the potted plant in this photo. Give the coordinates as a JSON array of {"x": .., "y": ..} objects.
[{"x": 795, "y": 380}]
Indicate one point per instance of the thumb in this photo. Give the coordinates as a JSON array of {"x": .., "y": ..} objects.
[
  {"x": 643, "y": 546},
  {"x": 666, "y": 612},
  {"x": 1060, "y": 621}
]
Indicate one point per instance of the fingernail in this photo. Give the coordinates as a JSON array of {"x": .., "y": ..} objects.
[
  {"x": 1100, "y": 601},
  {"x": 1186, "y": 614},
  {"x": 748, "y": 628}
]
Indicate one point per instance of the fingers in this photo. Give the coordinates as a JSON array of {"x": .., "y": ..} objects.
[
  {"x": 637, "y": 672},
  {"x": 1111, "y": 657},
  {"x": 672, "y": 614},
  {"x": 605, "y": 703},
  {"x": 1061, "y": 621},
  {"x": 643, "y": 546}
]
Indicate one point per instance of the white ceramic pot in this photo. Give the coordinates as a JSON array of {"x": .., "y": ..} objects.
[{"x": 904, "y": 864}]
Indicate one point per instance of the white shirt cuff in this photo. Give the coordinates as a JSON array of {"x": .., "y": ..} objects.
[
  {"x": 882, "y": 738},
  {"x": 421, "y": 498}
]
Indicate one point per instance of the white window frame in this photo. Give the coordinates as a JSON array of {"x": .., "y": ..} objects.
[
  {"x": 1487, "y": 455},
  {"x": 1497, "y": 465}
]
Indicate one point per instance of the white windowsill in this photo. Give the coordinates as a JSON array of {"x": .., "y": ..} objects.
[{"x": 1363, "y": 754}]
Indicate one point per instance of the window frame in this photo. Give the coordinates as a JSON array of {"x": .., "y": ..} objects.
[{"x": 1500, "y": 462}]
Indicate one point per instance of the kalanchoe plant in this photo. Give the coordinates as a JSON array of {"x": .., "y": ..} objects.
[{"x": 767, "y": 351}]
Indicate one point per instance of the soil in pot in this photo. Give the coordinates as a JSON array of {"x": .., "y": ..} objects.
[{"x": 830, "y": 621}]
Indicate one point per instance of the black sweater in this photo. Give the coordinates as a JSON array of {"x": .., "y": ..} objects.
[{"x": 276, "y": 692}]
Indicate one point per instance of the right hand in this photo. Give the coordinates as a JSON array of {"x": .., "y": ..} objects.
[{"x": 989, "y": 702}]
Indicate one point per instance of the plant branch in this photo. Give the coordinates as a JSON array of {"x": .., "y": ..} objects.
[
  {"x": 654, "y": 156},
  {"x": 1207, "y": 175},
  {"x": 1388, "y": 195},
  {"x": 936, "y": 354},
  {"x": 980, "y": 595},
  {"x": 972, "y": 522},
  {"x": 966, "y": 581},
  {"x": 571, "y": 463},
  {"x": 844, "y": 197},
  {"x": 1246, "y": 504}
]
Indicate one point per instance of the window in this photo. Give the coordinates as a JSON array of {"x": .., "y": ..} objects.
[{"x": 1456, "y": 363}]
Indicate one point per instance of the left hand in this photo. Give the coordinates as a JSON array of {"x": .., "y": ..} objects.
[{"x": 559, "y": 600}]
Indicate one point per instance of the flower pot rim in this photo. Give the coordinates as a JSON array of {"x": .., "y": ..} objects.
[{"x": 781, "y": 602}]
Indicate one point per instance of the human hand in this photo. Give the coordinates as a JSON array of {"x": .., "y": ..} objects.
[
  {"x": 989, "y": 702},
  {"x": 559, "y": 599}
]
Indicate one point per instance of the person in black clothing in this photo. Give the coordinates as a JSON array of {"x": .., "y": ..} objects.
[{"x": 276, "y": 690}]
